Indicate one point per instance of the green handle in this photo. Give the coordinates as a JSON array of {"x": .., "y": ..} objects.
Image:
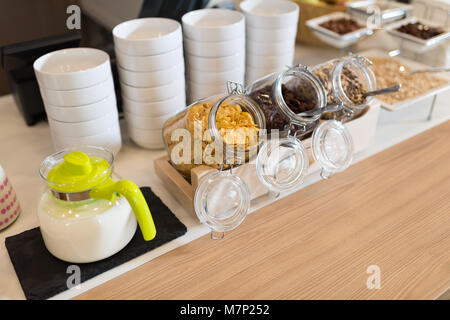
[{"x": 134, "y": 197}]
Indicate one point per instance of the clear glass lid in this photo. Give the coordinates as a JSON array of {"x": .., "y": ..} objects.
[
  {"x": 282, "y": 164},
  {"x": 222, "y": 201},
  {"x": 332, "y": 147}
]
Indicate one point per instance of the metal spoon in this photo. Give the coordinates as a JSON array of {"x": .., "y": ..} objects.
[
  {"x": 430, "y": 70},
  {"x": 314, "y": 112},
  {"x": 383, "y": 91}
]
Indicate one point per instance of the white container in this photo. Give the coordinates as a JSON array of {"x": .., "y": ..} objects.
[
  {"x": 213, "y": 24},
  {"x": 149, "y": 139},
  {"x": 214, "y": 49},
  {"x": 153, "y": 94},
  {"x": 147, "y": 36},
  {"x": 198, "y": 91},
  {"x": 270, "y": 14},
  {"x": 155, "y": 109},
  {"x": 269, "y": 61},
  {"x": 74, "y": 68},
  {"x": 205, "y": 77},
  {"x": 110, "y": 139},
  {"x": 150, "y": 63},
  {"x": 332, "y": 38},
  {"x": 148, "y": 123},
  {"x": 86, "y": 128},
  {"x": 218, "y": 64},
  {"x": 270, "y": 48},
  {"x": 271, "y": 35},
  {"x": 78, "y": 97},
  {"x": 151, "y": 79},
  {"x": 82, "y": 113}
]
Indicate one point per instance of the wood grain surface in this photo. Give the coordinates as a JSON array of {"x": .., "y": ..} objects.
[{"x": 391, "y": 210}]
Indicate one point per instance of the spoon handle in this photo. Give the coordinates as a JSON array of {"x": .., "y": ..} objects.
[
  {"x": 383, "y": 91},
  {"x": 431, "y": 70}
]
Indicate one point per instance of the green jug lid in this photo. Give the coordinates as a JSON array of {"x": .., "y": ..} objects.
[{"x": 78, "y": 172}]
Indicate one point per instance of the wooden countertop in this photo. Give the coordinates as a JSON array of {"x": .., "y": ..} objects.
[{"x": 391, "y": 210}]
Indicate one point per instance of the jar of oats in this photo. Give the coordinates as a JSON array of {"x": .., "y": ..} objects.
[
  {"x": 345, "y": 81},
  {"x": 217, "y": 131}
]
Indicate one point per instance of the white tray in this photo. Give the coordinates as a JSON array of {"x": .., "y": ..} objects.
[
  {"x": 414, "y": 66},
  {"x": 415, "y": 44}
]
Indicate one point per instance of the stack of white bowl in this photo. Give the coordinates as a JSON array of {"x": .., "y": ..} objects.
[
  {"x": 271, "y": 29},
  {"x": 150, "y": 60},
  {"x": 78, "y": 92},
  {"x": 214, "y": 41}
]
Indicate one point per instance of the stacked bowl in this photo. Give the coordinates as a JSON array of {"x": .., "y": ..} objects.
[
  {"x": 271, "y": 29},
  {"x": 77, "y": 88},
  {"x": 150, "y": 60},
  {"x": 214, "y": 41}
]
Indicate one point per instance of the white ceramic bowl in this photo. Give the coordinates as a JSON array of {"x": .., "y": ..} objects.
[
  {"x": 149, "y": 139},
  {"x": 151, "y": 79},
  {"x": 155, "y": 109},
  {"x": 270, "y": 14},
  {"x": 153, "y": 94},
  {"x": 109, "y": 138},
  {"x": 212, "y": 78},
  {"x": 213, "y": 24},
  {"x": 85, "y": 128},
  {"x": 148, "y": 123},
  {"x": 252, "y": 74},
  {"x": 271, "y": 35},
  {"x": 78, "y": 97},
  {"x": 150, "y": 63},
  {"x": 198, "y": 91},
  {"x": 82, "y": 113},
  {"x": 219, "y": 64},
  {"x": 268, "y": 61},
  {"x": 147, "y": 36},
  {"x": 74, "y": 68},
  {"x": 270, "y": 49},
  {"x": 210, "y": 49}
]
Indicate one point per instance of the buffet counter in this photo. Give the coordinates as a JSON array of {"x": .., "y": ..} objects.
[{"x": 392, "y": 211}]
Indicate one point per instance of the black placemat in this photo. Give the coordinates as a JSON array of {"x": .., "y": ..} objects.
[{"x": 42, "y": 276}]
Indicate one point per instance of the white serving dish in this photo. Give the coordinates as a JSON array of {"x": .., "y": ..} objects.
[
  {"x": 110, "y": 138},
  {"x": 271, "y": 35},
  {"x": 205, "y": 77},
  {"x": 333, "y": 39},
  {"x": 153, "y": 94},
  {"x": 390, "y": 11},
  {"x": 151, "y": 62},
  {"x": 412, "y": 43},
  {"x": 270, "y": 14},
  {"x": 148, "y": 123},
  {"x": 213, "y": 24},
  {"x": 147, "y": 36},
  {"x": 153, "y": 78},
  {"x": 70, "y": 69},
  {"x": 85, "y": 128},
  {"x": 269, "y": 48},
  {"x": 149, "y": 139},
  {"x": 216, "y": 49},
  {"x": 78, "y": 97},
  {"x": 218, "y": 64},
  {"x": 155, "y": 109},
  {"x": 269, "y": 61},
  {"x": 198, "y": 91},
  {"x": 414, "y": 66},
  {"x": 82, "y": 113}
]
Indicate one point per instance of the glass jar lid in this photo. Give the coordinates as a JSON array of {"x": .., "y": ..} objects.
[
  {"x": 282, "y": 164},
  {"x": 332, "y": 147},
  {"x": 222, "y": 201}
]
